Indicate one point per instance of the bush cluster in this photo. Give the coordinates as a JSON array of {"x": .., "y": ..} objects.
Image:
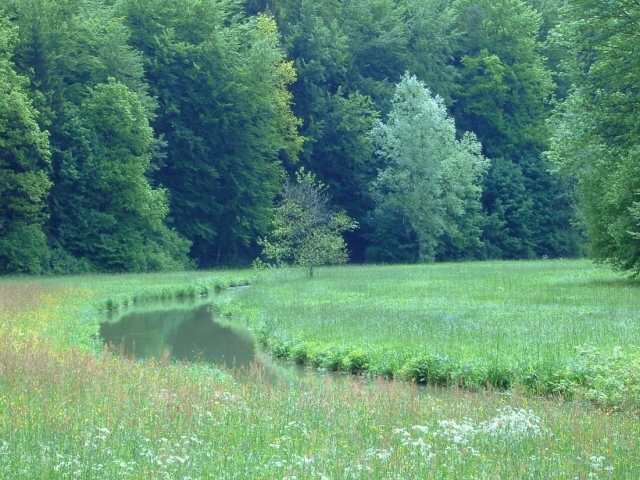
[{"x": 611, "y": 381}]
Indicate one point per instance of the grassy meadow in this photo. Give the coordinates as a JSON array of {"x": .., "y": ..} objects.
[
  {"x": 70, "y": 409},
  {"x": 540, "y": 324}
]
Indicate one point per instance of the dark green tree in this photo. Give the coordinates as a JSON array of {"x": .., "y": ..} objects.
[
  {"x": 503, "y": 95},
  {"x": 596, "y": 129},
  {"x": 24, "y": 169},
  {"x": 378, "y": 34},
  {"x": 332, "y": 96},
  {"x": 112, "y": 216},
  {"x": 221, "y": 83},
  {"x": 89, "y": 85},
  {"x": 343, "y": 159},
  {"x": 432, "y": 43}
]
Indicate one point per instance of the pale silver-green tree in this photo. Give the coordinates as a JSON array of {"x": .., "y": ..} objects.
[
  {"x": 432, "y": 178},
  {"x": 306, "y": 231}
]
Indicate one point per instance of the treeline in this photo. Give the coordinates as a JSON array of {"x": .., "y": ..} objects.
[
  {"x": 139, "y": 135},
  {"x": 152, "y": 134}
]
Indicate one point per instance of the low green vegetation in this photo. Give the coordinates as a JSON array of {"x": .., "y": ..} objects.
[
  {"x": 70, "y": 409},
  {"x": 562, "y": 327}
]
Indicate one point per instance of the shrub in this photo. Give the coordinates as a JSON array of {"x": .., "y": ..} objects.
[
  {"x": 499, "y": 377},
  {"x": 355, "y": 361},
  {"x": 280, "y": 349},
  {"x": 472, "y": 376},
  {"x": 327, "y": 358},
  {"x": 299, "y": 353},
  {"x": 429, "y": 369}
]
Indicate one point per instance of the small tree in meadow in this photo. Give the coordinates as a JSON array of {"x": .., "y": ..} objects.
[{"x": 306, "y": 231}]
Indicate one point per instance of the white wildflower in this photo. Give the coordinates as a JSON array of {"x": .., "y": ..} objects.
[
  {"x": 598, "y": 465},
  {"x": 276, "y": 463},
  {"x": 420, "y": 428},
  {"x": 513, "y": 423},
  {"x": 460, "y": 433},
  {"x": 381, "y": 454}
]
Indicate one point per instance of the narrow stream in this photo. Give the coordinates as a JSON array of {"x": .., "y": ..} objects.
[
  {"x": 180, "y": 332},
  {"x": 187, "y": 332}
]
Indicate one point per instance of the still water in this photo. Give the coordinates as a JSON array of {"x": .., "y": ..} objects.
[
  {"x": 181, "y": 333},
  {"x": 191, "y": 333}
]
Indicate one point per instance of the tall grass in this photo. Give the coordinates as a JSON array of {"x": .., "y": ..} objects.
[
  {"x": 79, "y": 416},
  {"x": 70, "y": 411},
  {"x": 469, "y": 324}
]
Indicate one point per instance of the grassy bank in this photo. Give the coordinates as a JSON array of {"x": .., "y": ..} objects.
[
  {"x": 550, "y": 326},
  {"x": 68, "y": 410},
  {"x": 70, "y": 309}
]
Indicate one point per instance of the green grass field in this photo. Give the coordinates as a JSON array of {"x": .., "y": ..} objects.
[
  {"x": 70, "y": 410},
  {"x": 470, "y": 323}
]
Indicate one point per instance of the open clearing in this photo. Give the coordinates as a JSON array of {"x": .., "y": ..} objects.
[
  {"x": 68, "y": 409},
  {"x": 495, "y": 322}
]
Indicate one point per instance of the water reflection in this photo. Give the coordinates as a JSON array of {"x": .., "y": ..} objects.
[{"x": 181, "y": 334}]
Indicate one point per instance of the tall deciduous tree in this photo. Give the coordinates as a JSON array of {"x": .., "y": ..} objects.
[
  {"x": 224, "y": 110},
  {"x": 89, "y": 84},
  {"x": 503, "y": 95},
  {"x": 432, "y": 179},
  {"x": 378, "y": 41},
  {"x": 596, "y": 130},
  {"x": 113, "y": 217},
  {"x": 432, "y": 43},
  {"x": 24, "y": 169}
]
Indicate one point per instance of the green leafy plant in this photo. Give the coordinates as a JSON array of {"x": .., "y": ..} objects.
[{"x": 306, "y": 232}]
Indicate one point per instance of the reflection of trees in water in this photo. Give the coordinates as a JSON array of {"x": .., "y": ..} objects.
[
  {"x": 200, "y": 338},
  {"x": 190, "y": 335}
]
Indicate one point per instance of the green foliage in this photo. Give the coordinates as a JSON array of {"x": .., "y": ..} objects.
[
  {"x": 224, "y": 110},
  {"x": 69, "y": 413},
  {"x": 503, "y": 95},
  {"x": 24, "y": 169},
  {"x": 355, "y": 361},
  {"x": 495, "y": 325},
  {"x": 378, "y": 42},
  {"x": 305, "y": 230},
  {"x": 222, "y": 130},
  {"x": 595, "y": 132},
  {"x": 609, "y": 380},
  {"x": 88, "y": 81},
  {"x": 485, "y": 59},
  {"x": 432, "y": 44},
  {"x": 66, "y": 47},
  {"x": 431, "y": 180},
  {"x": 510, "y": 208},
  {"x": 428, "y": 369},
  {"x": 229, "y": 116},
  {"x": 108, "y": 212},
  {"x": 336, "y": 109},
  {"x": 342, "y": 158}
]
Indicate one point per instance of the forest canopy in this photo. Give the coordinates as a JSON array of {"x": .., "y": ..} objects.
[{"x": 140, "y": 135}]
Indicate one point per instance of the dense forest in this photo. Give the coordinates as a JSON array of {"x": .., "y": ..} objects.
[{"x": 141, "y": 135}]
